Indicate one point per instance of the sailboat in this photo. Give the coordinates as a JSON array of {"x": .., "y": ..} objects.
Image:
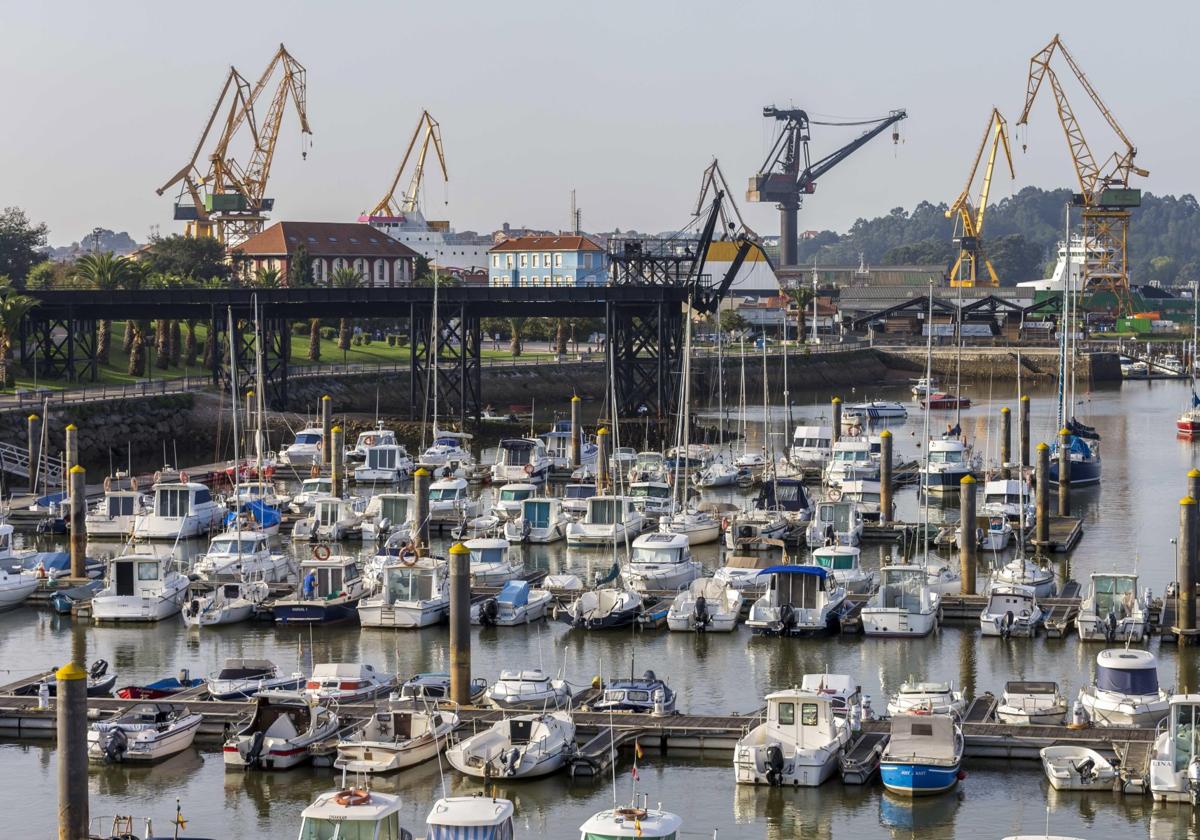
[
  {"x": 719, "y": 473},
  {"x": 1188, "y": 424}
]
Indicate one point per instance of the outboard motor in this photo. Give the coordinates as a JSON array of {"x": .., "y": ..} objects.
[
  {"x": 252, "y": 752},
  {"x": 1110, "y": 626},
  {"x": 774, "y": 765},
  {"x": 1006, "y": 624},
  {"x": 1086, "y": 770},
  {"x": 1193, "y": 777},
  {"x": 99, "y": 669},
  {"x": 649, "y": 676},
  {"x": 116, "y": 745},
  {"x": 745, "y": 532},
  {"x": 508, "y": 761},
  {"x": 700, "y": 615},
  {"x": 488, "y": 611},
  {"x": 787, "y": 618}
]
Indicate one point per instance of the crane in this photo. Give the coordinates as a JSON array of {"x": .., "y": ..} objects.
[
  {"x": 968, "y": 225},
  {"x": 225, "y": 199},
  {"x": 1104, "y": 193},
  {"x": 388, "y": 209},
  {"x": 732, "y": 224},
  {"x": 781, "y": 178}
]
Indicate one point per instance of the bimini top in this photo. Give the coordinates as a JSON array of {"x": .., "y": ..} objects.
[
  {"x": 1127, "y": 660},
  {"x": 468, "y": 812},
  {"x": 794, "y": 570}
]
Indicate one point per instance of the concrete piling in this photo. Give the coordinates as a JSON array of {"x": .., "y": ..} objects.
[
  {"x": 1193, "y": 483},
  {"x": 968, "y": 546},
  {"x": 460, "y": 624},
  {"x": 837, "y": 419},
  {"x": 1005, "y": 443},
  {"x": 575, "y": 446},
  {"x": 70, "y": 449},
  {"x": 602, "y": 453},
  {"x": 77, "y": 481},
  {"x": 1023, "y": 431},
  {"x": 1064, "y": 472},
  {"x": 1185, "y": 617},
  {"x": 421, "y": 479},
  {"x": 336, "y": 449},
  {"x": 1041, "y": 531},
  {"x": 71, "y": 711},
  {"x": 326, "y": 428},
  {"x": 885, "y": 477},
  {"x": 34, "y": 449}
]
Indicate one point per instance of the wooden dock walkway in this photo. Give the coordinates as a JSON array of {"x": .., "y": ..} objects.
[{"x": 1065, "y": 534}]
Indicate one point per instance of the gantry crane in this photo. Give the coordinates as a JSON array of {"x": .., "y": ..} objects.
[
  {"x": 781, "y": 178},
  {"x": 968, "y": 224},
  {"x": 388, "y": 210},
  {"x": 227, "y": 200},
  {"x": 1104, "y": 191}
]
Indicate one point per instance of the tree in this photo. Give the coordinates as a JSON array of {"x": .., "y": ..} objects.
[
  {"x": 314, "y": 339},
  {"x": 162, "y": 346},
  {"x": 175, "y": 344},
  {"x": 300, "y": 268},
  {"x": 105, "y": 272},
  {"x": 422, "y": 270},
  {"x": 732, "y": 321},
  {"x": 267, "y": 278},
  {"x": 189, "y": 344},
  {"x": 194, "y": 259},
  {"x": 14, "y": 306},
  {"x": 137, "y": 331},
  {"x": 49, "y": 274},
  {"x": 344, "y": 278},
  {"x": 1014, "y": 258},
  {"x": 21, "y": 242},
  {"x": 516, "y": 325},
  {"x": 560, "y": 335}
]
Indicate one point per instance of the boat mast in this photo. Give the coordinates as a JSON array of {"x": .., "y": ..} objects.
[
  {"x": 924, "y": 525},
  {"x": 766, "y": 430},
  {"x": 260, "y": 399},
  {"x": 720, "y": 389},
  {"x": 233, "y": 405},
  {"x": 1062, "y": 321},
  {"x": 787, "y": 402}
]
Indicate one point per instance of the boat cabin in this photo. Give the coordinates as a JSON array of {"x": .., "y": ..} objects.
[
  {"x": 177, "y": 500},
  {"x": 1127, "y": 671},
  {"x": 332, "y": 575},
  {"x": 851, "y": 452},
  {"x": 374, "y": 437},
  {"x": 486, "y": 551},
  {"x": 316, "y": 487},
  {"x": 119, "y": 503},
  {"x": 448, "y": 490},
  {"x": 1004, "y": 492},
  {"x": 232, "y": 544},
  {"x": 902, "y": 587},
  {"x": 376, "y": 818},
  {"x": 139, "y": 575},
  {"x": 471, "y": 818},
  {"x": 819, "y": 439},
  {"x": 786, "y": 494},
  {"x": 608, "y": 510},
  {"x": 579, "y": 491},
  {"x": 835, "y": 517},
  {"x": 947, "y": 452},
  {"x": 330, "y": 511},
  {"x": 1114, "y": 593},
  {"x": 385, "y": 457},
  {"x": 339, "y": 676},
  {"x": 539, "y": 512},
  {"x": 394, "y": 508},
  {"x": 801, "y": 718},
  {"x": 836, "y": 558},
  {"x": 801, "y": 587},
  {"x": 660, "y": 547},
  {"x": 521, "y": 453},
  {"x": 409, "y": 584},
  {"x": 516, "y": 492},
  {"x": 867, "y": 493}
]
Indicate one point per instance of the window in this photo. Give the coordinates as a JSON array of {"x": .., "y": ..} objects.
[
  {"x": 148, "y": 570},
  {"x": 535, "y": 260},
  {"x": 495, "y": 260},
  {"x": 787, "y": 714},
  {"x": 558, "y": 260},
  {"x": 808, "y": 714},
  {"x": 508, "y": 260},
  {"x": 546, "y": 259},
  {"x": 587, "y": 260},
  {"x": 380, "y": 272},
  {"x": 922, "y": 729},
  {"x": 546, "y": 280},
  {"x": 524, "y": 260}
]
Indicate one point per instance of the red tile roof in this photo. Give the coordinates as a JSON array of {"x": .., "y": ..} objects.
[
  {"x": 323, "y": 239},
  {"x": 547, "y": 243}
]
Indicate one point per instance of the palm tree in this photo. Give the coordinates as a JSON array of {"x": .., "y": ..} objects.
[
  {"x": 13, "y": 309},
  {"x": 136, "y": 331},
  {"x": 162, "y": 344},
  {"x": 267, "y": 278},
  {"x": 189, "y": 344},
  {"x": 105, "y": 272},
  {"x": 560, "y": 335},
  {"x": 516, "y": 325},
  {"x": 344, "y": 278},
  {"x": 314, "y": 339},
  {"x": 175, "y": 344}
]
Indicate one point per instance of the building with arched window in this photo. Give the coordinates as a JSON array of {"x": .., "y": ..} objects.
[{"x": 378, "y": 258}]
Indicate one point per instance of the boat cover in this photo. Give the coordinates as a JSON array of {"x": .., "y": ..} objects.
[
  {"x": 922, "y": 738},
  {"x": 515, "y": 593},
  {"x": 263, "y": 513}
]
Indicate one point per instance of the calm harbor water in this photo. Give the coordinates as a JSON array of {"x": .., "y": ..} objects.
[{"x": 1128, "y": 522}]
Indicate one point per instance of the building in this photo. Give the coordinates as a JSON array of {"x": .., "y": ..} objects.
[
  {"x": 561, "y": 260},
  {"x": 377, "y": 257},
  {"x": 445, "y": 248},
  {"x": 755, "y": 276}
]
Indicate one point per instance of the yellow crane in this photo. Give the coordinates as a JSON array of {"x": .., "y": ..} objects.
[
  {"x": 224, "y": 198},
  {"x": 388, "y": 207},
  {"x": 968, "y": 225},
  {"x": 1105, "y": 194}
]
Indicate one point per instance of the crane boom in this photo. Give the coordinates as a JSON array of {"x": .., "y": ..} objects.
[
  {"x": 387, "y": 206},
  {"x": 968, "y": 225}
]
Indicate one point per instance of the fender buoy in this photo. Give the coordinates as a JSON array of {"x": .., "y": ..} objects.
[
  {"x": 183, "y": 476},
  {"x": 157, "y": 476},
  {"x": 133, "y": 484},
  {"x": 369, "y": 440},
  {"x": 320, "y": 552},
  {"x": 353, "y": 796},
  {"x": 107, "y": 484},
  {"x": 529, "y": 469}
]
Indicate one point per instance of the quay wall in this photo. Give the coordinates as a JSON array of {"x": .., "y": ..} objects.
[{"x": 1000, "y": 364}]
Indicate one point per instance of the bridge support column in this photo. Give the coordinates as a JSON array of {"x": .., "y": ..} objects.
[
  {"x": 453, "y": 347},
  {"x": 644, "y": 350}
]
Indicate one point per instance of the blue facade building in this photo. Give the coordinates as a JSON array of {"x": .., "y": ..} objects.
[{"x": 567, "y": 260}]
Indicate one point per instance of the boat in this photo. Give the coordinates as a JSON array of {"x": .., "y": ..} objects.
[
  {"x": 603, "y": 609},
  {"x": 522, "y": 459},
  {"x": 633, "y": 821},
  {"x": 868, "y": 413},
  {"x": 515, "y": 604},
  {"x": 384, "y": 463},
  {"x": 1007, "y": 498},
  {"x": 540, "y": 521},
  {"x": 923, "y": 386},
  {"x": 305, "y": 449},
  {"x": 353, "y": 813},
  {"x": 1175, "y": 756},
  {"x": 116, "y": 514},
  {"x": 706, "y": 606},
  {"x": 998, "y": 535},
  {"x": 755, "y": 530},
  {"x": 100, "y": 682},
  {"x": 651, "y": 497},
  {"x": 15, "y": 588},
  {"x": 509, "y": 498},
  {"x": 450, "y": 502},
  {"x": 448, "y": 454},
  {"x": 836, "y": 523},
  {"x": 850, "y": 460},
  {"x": 180, "y": 510},
  {"x": 435, "y": 686},
  {"x": 387, "y": 515},
  {"x": 741, "y": 571},
  {"x": 788, "y": 496},
  {"x": 575, "y": 498},
  {"x": 697, "y": 527},
  {"x": 1112, "y": 610},
  {"x": 942, "y": 400},
  {"x": 1077, "y": 768},
  {"x": 608, "y": 520},
  {"x": 1084, "y": 457},
  {"x": 1025, "y": 571},
  {"x": 648, "y": 694},
  {"x": 923, "y": 755},
  {"x": 904, "y": 605},
  {"x": 493, "y": 562},
  {"x": 648, "y": 466},
  {"x": 518, "y": 747},
  {"x": 161, "y": 689},
  {"x": 333, "y": 519},
  {"x": 225, "y": 603},
  {"x": 379, "y": 436},
  {"x": 284, "y": 725},
  {"x": 528, "y": 690},
  {"x": 1011, "y": 610},
  {"x": 311, "y": 489},
  {"x": 622, "y": 460},
  {"x": 1187, "y": 425},
  {"x": 844, "y": 564},
  {"x": 799, "y": 601},
  {"x": 867, "y": 495},
  {"x": 947, "y": 465},
  {"x": 811, "y": 447},
  {"x": 927, "y": 698},
  {"x": 140, "y": 587},
  {"x": 471, "y": 818},
  {"x": 242, "y": 555},
  {"x": 241, "y": 679},
  {"x": 1126, "y": 691},
  {"x": 393, "y": 739},
  {"x": 1027, "y": 702},
  {"x": 685, "y": 460},
  {"x": 146, "y": 732},
  {"x": 414, "y": 592},
  {"x": 341, "y": 683},
  {"x": 329, "y": 591},
  {"x": 797, "y": 745},
  {"x": 660, "y": 561},
  {"x": 558, "y": 446}
]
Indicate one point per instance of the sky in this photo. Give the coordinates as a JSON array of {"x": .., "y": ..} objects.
[{"x": 624, "y": 102}]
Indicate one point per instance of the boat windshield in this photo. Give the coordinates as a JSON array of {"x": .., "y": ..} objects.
[
  {"x": 443, "y": 494},
  {"x": 537, "y": 514},
  {"x": 515, "y": 495},
  {"x": 1127, "y": 681},
  {"x": 1117, "y": 595},
  {"x": 172, "y": 502},
  {"x": 394, "y": 508},
  {"x": 602, "y": 511},
  {"x": 837, "y": 515},
  {"x": 954, "y": 456},
  {"x": 863, "y": 496},
  {"x": 656, "y": 555},
  {"x": 387, "y": 828},
  {"x": 382, "y": 457},
  {"x": 836, "y": 562},
  {"x": 1185, "y": 729},
  {"x": 811, "y": 443},
  {"x": 649, "y": 491},
  {"x": 317, "y": 485},
  {"x": 579, "y": 491},
  {"x": 232, "y": 546},
  {"x": 488, "y": 555},
  {"x": 850, "y": 455},
  {"x": 404, "y": 584},
  {"x": 118, "y": 506},
  {"x": 308, "y": 438}
]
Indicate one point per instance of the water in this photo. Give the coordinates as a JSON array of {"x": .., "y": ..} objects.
[{"x": 1128, "y": 522}]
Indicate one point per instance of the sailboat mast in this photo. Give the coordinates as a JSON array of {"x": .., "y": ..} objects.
[
  {"x": 766, "y": 420},
  {"x": 787, "y": 402},
  {"x": 1063, "y": 312},
  {"x": 233, "y": 405},
  {"x": 720, "y": 390},
  {"x": 924, "y": 525}
]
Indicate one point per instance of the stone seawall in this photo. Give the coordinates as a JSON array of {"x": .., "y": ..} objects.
[{"x": 1037, "y": 365}]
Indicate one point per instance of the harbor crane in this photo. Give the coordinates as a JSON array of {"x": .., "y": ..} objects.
[
  {"x": 788, "y": 174},
  {"x": 220, "y": 197},
  {"x": 1105, "y": 194},
  {"x": 389, "y": 209},
  {"x": 968, "y": 224},
  {"x": 732, "y": 224}
]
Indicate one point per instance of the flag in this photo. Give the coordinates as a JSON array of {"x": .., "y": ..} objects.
[
  {"x": 634, "y": 773},
  {"x": 637, "y": 826},
  {"x": 637, "y": 749}
]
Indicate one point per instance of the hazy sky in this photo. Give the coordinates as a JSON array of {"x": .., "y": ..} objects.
[{"x": 624, "y": 102}]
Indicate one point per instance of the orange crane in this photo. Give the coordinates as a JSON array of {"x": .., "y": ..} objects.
[
  {"x": 968, "y": 225},
  {"x": 227, "y": 200},
  {"x": 388, "y": 208}
]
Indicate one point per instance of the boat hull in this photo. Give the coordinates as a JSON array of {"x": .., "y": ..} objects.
[
  {"x": 132, "y": 608},
  {"x": 916, "y": 779},
  {"x": 409, "y": 617},
  {"x": 160, "y": 746},
  {"x": 1083, "y": 473},
  {"x": 385, "y": 757},
  {"x": 897, "y": 623},
  {"x": 315, "y": 612}
]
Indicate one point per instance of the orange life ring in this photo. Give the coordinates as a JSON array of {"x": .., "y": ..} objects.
[
  {"x": 320, "y": 552},
  {"x": 921, "y": 711},
  {"x": 369, "y": 440},
  {"x": 408, "y": 555},
  {"x": 183, "y": 477},
  {"x": 353, "y": 796},
  {"x": 107, "y": 483},
  {"x": 529, "y": 469}
]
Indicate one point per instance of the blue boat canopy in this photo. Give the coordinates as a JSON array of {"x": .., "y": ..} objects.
[
  {"x": 515, "y": 593},
  {"x": 51, "y": 499},
  {"x": 264, "y": 514},
  {"x": 794, "y": 570}
]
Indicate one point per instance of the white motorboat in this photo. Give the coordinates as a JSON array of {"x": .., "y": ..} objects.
[
  {"x": 242, "y": 555},
  {"x": 284, "y": 725},
  {"x": 448, "y": 454},
  {"x": 1007, "y": 498},
  {"x": 541, "y": 520},
  {"x": 603, "y": 609},
  {"x": 924, "y": 386},
  {"x": 387, "y": 515},
  {"x": 117, "y": 513},
  {"x": 1077, "y": 768},
  {"x": 342, "y": 682},
  {"x": 634, "y": 821},
  {"x": 414, "y": 592},
  {"x": 648, "y": 466},
  {"x": 716, "y": 474},
  {"x": 929, "y": 698},
  {"x": 435, "y": 686},
  {"x": 867, "y": 413},
  {"x": 180, "y": 510},
  {"x": 393, "y": 739},
  {"x": 384, "y": 463},
  {"x": 147, "y": 732},
  {"x": 225, "y": 603},
  {"x": 648, "y": 694},
  {"x": 379, "y": 436},
  {"x": 516, "y": 603},
  {"x": 509, "y": 498},
  {"x": 698, "y": 527},
  {"x": 684, "y": 461},
  {"x": 1175, "y": 757},
  {"x": 1011, "y": 610},
  {"x": 942, "y": 577},
  {"x": 240, "y": 679},
  {"x": 450, "y": 502},
  {"x": 844, "y": 564},
  {"x": 652, "y": 498},
  {"x": 522, "y": 459},
  {"x": 904, "y": 605},
  {"x": 311, "y": 489},
  {"x": 1112, "y": 611},
  {"x": 811, "y": 447},
  {"x": 305, "y": 449},
  {"x": 798, "y": 745},
  {"x": 741, "y": 572},
  {"x": 493, "y": 563},
  {"x": 947, "y": 465},
  {"x": 15, "y": 588},
  {"x": 330, "y": 588},
  {"x": 1025, "y": 571},
  {"x": 1025, "y": 702},
  {"x": 1126, "y": 691},
  {"x": 575, "y": 498},
  {"x": 353, "y": 813},
  {"x": 464, "y": 817},
  {"x": 996, "y": 537},
  {"x": 923, "y": 755},
  {"x": 866, "y": 495},
  {"x": 529, "y": 690},
  {"x": 140, "y": 587},
  {"x": 799, "y": 601},
  {"x": 519, "y": 747},
  {"x": 756, "y": 530},
  {"x": 333, "y": 519},
  {"x": 558, "y": 446},
  {"x": 850, "y": 460},
  {"x": 836, "y": 523},
  {"x": 706, "y": 606},
  {"x": 660, "y": 561},
  {"x": 608, "y": 519}
]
